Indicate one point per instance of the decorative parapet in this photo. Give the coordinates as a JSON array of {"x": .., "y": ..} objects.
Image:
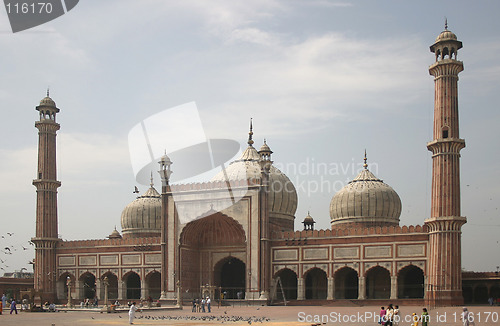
[
  {"x": 109, "y": 242},
  {"x": 385, "y": 230},
  {"x": 214, "y": 185}
]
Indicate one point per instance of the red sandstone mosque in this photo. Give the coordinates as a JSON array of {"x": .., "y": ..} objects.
[{"x": 240, "y": 249}]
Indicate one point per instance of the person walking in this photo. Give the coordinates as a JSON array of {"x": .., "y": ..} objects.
[
  {"x": 194, "y": 306},
  {"x": 414, "y": 318},
  {"x": 465, "y": 318},
  {"x": 425, "y": 317},
  {"x": 13, "y": 306},
  {"x": 131, "y": 313}
]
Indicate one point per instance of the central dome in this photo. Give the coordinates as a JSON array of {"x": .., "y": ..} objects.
[
  {"x": 282, "y": 193},
  {"x": 365, "y": 201}
]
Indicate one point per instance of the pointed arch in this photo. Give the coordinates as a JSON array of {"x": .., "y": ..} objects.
[
  {"x": 132, "y": 282},
  {"x": 411, "y": 282},
  {"x": 346, "y": 283},
  {"x": 112, "y": 285},
  {"x": 316, "y": 283},
  {"x": 288, "y": 280},
  {"x": 378, "y": 283},
  {"x": 87, "y": 285}
]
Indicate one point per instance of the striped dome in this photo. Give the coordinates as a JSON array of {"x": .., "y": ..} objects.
[
  {"x": 365, "y": 201},
  {"x": 142, "y": 217}
]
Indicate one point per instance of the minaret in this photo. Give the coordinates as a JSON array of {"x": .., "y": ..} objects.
[
  {"x": 265, "y": 163},
  {"x": 46, "y": 201},
  {"x": 444, "y": 278}
]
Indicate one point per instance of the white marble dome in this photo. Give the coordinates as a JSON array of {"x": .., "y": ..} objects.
[
  {"x": 282, "y": 196},
  {"x": 142, "y": 217},
  {"x": 365, "y": 201}
]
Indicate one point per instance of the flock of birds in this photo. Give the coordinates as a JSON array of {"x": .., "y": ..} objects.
[
  {"x": 8, "y": 249},
  {"x": 209, "y": 318}
]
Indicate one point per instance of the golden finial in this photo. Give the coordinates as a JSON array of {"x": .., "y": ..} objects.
[
  {"x": 365, "y": 165},
  {"x": 250, "y": 134}
]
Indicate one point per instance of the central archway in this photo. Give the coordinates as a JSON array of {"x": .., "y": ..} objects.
[{"x": 230, "y": 275}]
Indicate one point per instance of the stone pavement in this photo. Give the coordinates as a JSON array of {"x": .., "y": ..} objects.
[{"x": 270, "y": 316}]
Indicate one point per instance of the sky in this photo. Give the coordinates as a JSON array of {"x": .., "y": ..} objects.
[{"x": 322, "y": 80}]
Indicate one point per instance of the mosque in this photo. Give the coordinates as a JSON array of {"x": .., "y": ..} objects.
[{"x": 234, "y": 236}]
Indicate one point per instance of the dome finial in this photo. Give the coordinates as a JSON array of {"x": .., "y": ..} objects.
[
  {"x": 48, "y": 91},
  {"x": 445, "y": 23},
  {"x": 250, "y": 134},
  {"x": 151, "y": 184},
  {"x": 365, "y": 159}
]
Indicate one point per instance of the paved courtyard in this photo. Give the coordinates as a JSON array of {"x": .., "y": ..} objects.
[{"x": 276, "y": 315}]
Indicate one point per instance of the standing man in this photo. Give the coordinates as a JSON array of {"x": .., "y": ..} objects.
[
  {"x": 131, "y": 313},
  {"x": 4, "y": 300},
  {"x": 208, "y": 304}
]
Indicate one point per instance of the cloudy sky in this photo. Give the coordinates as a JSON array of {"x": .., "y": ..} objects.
[{"x": 323, "y": 80}]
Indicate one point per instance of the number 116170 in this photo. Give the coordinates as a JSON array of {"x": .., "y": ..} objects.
[{"x": 29, "y": 8}]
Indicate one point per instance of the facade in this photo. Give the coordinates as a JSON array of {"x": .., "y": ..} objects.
[{"x": 234, "y": 236}]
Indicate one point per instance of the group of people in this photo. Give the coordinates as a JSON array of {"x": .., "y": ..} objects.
[
  {"x": 199, "y": 305},
  {"x": 3, "y": 304},
  {"x": 88, "y": 303},
  {"x": 389, "y": 316}
]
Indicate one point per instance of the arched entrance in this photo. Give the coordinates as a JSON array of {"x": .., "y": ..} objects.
[
  {"x": 212, "y": 234},
  {"x": 87, "y": 282},
  {"x": 378, "y": 283},
  {"x": 62, "y": 286},
  {"x": 153, "y": 281},
  {"x": 133, "y": 283},
  {"x": 112, "y": 286},
  {"x": 230, "y": 275},
  {"x": 411, "y": 283},
  {"x": 346, "y": 283},
  {"x": 316, "y": 284},
  {"x": 288, "y": 280}
]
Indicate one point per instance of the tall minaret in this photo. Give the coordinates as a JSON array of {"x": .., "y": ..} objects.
[
  {"x": 444, "y": 274},
  {"x": 46, "y": 200}
]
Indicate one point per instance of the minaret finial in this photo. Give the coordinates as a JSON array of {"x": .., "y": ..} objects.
[
  {"x": 366, "y": 164},
  {"x": 445, "y": 23},
  {"x": 48, "y": 91},
  {"x": 250, "y": 134},
  {"x": 151, "y": 184}
]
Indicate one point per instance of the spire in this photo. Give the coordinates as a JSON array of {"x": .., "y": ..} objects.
[
  {"x": 445, "y": 23},
  {"x": 366, "y": 164},
  {"x": 250, "y": 134},
  {"x": 151, "y": 184}
]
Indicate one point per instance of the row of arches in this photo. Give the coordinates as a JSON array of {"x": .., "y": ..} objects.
[
  {"x": 87, "y": 286},
  {"x": 410, "y": 283},
  {"x": 480, "y": 293}
]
